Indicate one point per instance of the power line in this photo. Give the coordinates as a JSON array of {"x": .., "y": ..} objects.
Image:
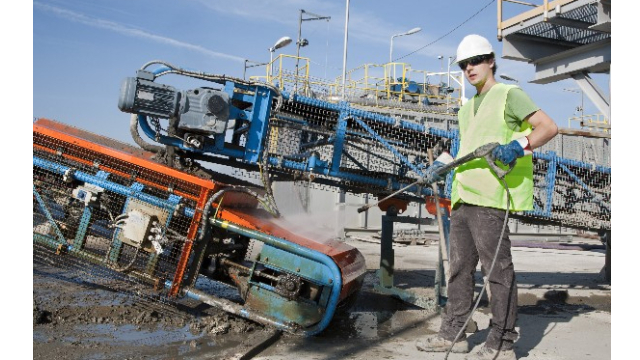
[{"x": 445, "y": 35}]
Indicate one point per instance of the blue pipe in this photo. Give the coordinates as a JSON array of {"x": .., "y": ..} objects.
[
  {"x": 551, "y": 182},
  {"x": 106, "y": 184},
  {"x": 549, "y": 156},
  {"x": 161, "y": 70},
  {"x": 300, "y": 251},
  {"x": 310, "y": 101},
  {"x": 411, "y": 126},
  {"x": 451, "y": 134},
  {"x": 46, "y": 212}
]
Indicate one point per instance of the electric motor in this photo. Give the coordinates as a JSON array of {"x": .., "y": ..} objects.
[
  {"x": 202, "y": 110},
  {"x": 140, "y": 95}
]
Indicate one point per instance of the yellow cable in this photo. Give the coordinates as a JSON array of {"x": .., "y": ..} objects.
[{"x": 218, "y": 207}]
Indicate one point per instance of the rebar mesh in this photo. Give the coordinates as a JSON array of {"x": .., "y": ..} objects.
[
  {"x": 109, "y": 228},
  {"x": 572, "y": 172}
]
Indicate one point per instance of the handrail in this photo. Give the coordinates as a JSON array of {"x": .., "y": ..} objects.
[{"x": 538, "y": 10}]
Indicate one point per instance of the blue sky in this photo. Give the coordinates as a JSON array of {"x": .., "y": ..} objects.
[{"x": 83, "y": 49}]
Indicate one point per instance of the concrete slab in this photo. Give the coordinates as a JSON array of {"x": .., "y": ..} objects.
[{"x": 564, "y": 310}]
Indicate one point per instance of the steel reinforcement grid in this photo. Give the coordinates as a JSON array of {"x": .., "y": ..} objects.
[
  {"x": 337, "y": 146},
  {"x": 283, "y": 136}
]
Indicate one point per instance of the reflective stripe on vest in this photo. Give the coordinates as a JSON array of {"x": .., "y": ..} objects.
[{"x": 474, "y": 182}]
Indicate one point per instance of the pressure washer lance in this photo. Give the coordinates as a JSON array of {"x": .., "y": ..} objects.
[{"x": 481, "y": 151}]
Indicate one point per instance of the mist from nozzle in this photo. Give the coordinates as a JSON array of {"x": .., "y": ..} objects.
[
  {"x": 320, "y": 227},
  {"x": 321, "y": 224}
]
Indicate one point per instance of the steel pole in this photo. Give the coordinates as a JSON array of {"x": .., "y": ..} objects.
[
  {"x": 270, "y": 66},
  {"x": 344, "y": 56},
  {"x": 295, "y": 87},
  {"x": 448, "y": 82},
  {"x": 244, "y": 72}
]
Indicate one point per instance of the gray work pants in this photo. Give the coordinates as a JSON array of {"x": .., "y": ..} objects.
[{"x": 473, "y": 236}]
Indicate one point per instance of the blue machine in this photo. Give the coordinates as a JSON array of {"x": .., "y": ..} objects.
[{"x": 255, "y": 126}]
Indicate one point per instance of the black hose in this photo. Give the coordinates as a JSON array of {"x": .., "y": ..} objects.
[
  {"x": 133, "y": 129},
  {"x": 207, "y": 208},
  {"x": 221, "y": 79}
]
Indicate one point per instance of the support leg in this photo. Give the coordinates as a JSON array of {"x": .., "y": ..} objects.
[
  {"x": 605, "y": 237},
  {"x": 386, "y": 249}
]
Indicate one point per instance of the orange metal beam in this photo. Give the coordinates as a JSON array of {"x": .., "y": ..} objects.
[
  {"x": 188, "y": 245},
  {"x": 116, "y": 172},
  {"x": 135, "y": 160}
]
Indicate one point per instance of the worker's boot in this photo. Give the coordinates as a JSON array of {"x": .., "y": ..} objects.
[
  {"x": 486, "y": 353},
  {"x": 436, "y": 343}
]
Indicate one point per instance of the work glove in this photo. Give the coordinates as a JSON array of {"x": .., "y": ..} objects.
[
  {"x": 508, "y": 153},
  {"x": 431, "y": 174}
]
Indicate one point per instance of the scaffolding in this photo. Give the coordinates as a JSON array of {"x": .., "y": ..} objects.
[
  {"x": 401, "y": 83},
  {"x": 383, "y": 86},
  {"x": 563, "y": 39}
]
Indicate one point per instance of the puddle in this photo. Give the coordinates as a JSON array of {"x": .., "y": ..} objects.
[
  {"x": 105, "y": 333},
  {"x": 221, "y": 290}
]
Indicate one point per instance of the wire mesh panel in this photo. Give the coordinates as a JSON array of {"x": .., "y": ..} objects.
[
  {"x": 111, "y": 212},
  {"x": 570, "y": 193},
  {"x": 572, "y": 172},
  {"x": 350, "y": 149}
]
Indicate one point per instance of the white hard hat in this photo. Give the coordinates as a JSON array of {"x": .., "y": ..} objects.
[{"x": 473, "y": 45}]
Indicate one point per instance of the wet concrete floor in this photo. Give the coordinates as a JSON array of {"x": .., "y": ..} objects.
[
  {"x": 564, "y": 313},
  {"x": 564, "y": 310}
]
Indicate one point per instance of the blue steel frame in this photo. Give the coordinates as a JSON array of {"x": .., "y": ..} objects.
[{"x": 260, "y": 115}]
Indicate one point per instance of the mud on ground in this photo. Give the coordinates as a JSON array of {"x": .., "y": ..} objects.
[{"x": 76, "y": 318}]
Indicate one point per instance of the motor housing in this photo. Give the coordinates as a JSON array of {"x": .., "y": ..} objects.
[
  {"x": 202, "y": 110},
  {"x": 141, "y": 95}
]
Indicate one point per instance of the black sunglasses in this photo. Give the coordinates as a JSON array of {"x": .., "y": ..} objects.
[{"x": 473, "y": 61}]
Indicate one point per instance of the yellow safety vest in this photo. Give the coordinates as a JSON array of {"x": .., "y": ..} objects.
[{"x": 474, "y": 182}]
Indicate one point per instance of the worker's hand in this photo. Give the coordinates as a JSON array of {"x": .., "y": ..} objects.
[
  {"x": 508, "y": 153},
  {"x": 431, "y": 175}
]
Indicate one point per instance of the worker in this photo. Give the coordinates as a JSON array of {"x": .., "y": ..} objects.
[{"x": 497, "y": 113}]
